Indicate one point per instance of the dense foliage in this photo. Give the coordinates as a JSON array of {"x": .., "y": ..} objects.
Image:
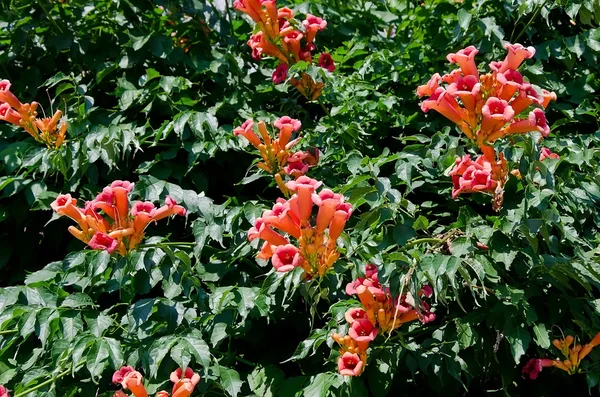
[{"x": 152, "y": 92}]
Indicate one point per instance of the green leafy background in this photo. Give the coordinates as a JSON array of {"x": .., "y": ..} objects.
[{"x": 143, "y": 108}]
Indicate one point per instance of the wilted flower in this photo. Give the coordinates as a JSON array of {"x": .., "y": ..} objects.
[
  {"x": 280, "y": 73},
  {"x": 326, "y": 62},
  {"x": 547, "y": 154}
]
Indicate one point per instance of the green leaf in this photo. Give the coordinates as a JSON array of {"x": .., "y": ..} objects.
[
  {"x": 464, "y": 18},
  {"x": 141, "y": 310},
  {"x": 157, "y": 352},
  {"x": 518, "y": 339},
  {"x": 77, "y": 300},
  {"x": 319, "y": 385},
  {"x": 71, "y": 324},
  {"x": 199, "y": 348},
  {"x": 97, "y": 358},
  {"x": 541, "y": 335},
  {"x": 230, "y": 381}
]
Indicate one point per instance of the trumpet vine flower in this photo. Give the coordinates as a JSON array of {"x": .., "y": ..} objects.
[
  {"x": 316, "y": 236},
  {"x": 110, "y": 222},
  {"x": 184, "y": 383},
  {"x": 573, "y": 356},
  {"x": 278, "y": 158},
  {"x": 380, "y": 313},
  {"x": 44, "y": 130},
  {"x": 286, "y": 39},
  {"x": 486, "y": 108}
]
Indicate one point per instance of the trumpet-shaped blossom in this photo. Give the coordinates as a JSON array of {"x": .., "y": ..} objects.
[
  {"x": 315, "y": 249},
  {"x": 184, "y": 382},
  {"x": 285, "y": 39},
  {"x": 380, "y": 313},
  {"x": 517, "y": 53},
  {"x": 6, "y": 95},
  {"x": 9, "y": 115},
  {"x": 4, "y": 392},
  {"x": 354, "y": 314},
  {"x": 278, "y": 158},
  {"x": 473, "y": 176},
  {"x": 108, "y": 223},
  {"x": 44, "y": 130},
  {"x": 362, "y": 331},
  {"x": 466, "y": 60},
  {"x": 102, "y": 241},
  {"x": 571, "y": 363},
  {"x": 286, "y": 258},
  {"x": 487, "y": 108},
  {"x": 131, "y": 380},
  {"x": 120, "y": 374},
  {"x": 350, "y": 364},
  {"x": 535, "y": 366}
]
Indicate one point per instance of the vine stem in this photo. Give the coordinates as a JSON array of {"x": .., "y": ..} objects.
[
  {"x": 424, "y": 240},
  {"x": 328, "y": 114},
  {"x": 41, "y": 3},
  {"x": 43, "y": 384},
  {"x": 180, "y": 244},
  {"x": 535, "y": 14},
  {"x": 8, "y": 332}
]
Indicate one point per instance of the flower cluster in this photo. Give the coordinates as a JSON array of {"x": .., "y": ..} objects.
[
  {"x": 290, "y": 41},
  {"x": 276, "y": 153},
  {"x": 44, "y": 130},
  {"x": 108, "y": 223},
  {"x": 380, "y": 313},
  {"x": 573, "y": 356},
  {"x": 184, "y": 383},
  {"x": 486, "y": 108},
  {"x": 316, "y": 248},
  {"x": 4, "y": 392}
]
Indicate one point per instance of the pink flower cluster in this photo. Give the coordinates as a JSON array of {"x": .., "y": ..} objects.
[
  {"x": 470, "y": 176},
  {"x": 287, "y": 39},
  {"x": 45, "y": 130},
  {"x": 380, "y": 313},
  {"x": 108, "y": 223},
  {"x": 278, "y": 158},
  {"x": 486, "y": 108},
  {"x": 184, "y": 382},
  {"x": 316, "y": 247}
]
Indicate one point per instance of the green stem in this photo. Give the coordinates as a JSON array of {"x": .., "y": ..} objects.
[
  {"x": 328, "y": 114},
  {"x": 176, "y": 244},
  {"x": 537, "y": 11},
  {"x": 243, "y": 360},
  {"x": 41, "y": 3},
  {"x": 43, "y": 384},
  {"x": 432, "y": 240},
  {"x": 8, "y": 332}
]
